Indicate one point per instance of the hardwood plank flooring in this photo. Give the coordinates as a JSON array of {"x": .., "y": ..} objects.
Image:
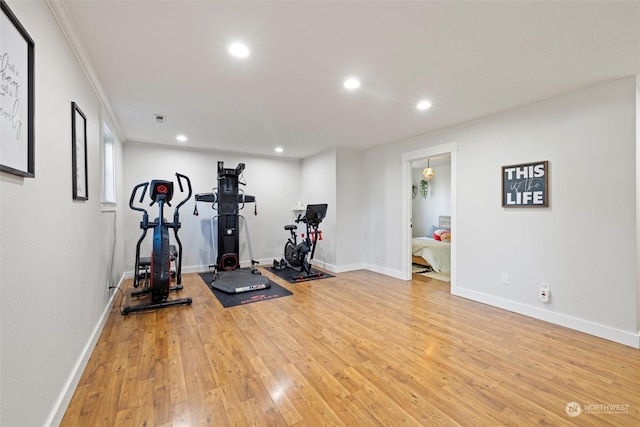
[{"x": 359, "y": 349}]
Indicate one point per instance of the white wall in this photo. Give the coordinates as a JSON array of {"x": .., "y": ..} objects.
[
  {"x": 382, "y": 244},
  {"x": 318, "y": 180},
  {"x": 274, "y": 182},
  {"x": 350, "y": 211},
  {"x": 589, "y": 138},
  {"x": 55, "y": 252}
]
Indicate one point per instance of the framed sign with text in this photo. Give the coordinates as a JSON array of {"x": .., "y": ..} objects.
[
  {"x": 16, "y": 96},
  {"x": 525, "y": 185}
]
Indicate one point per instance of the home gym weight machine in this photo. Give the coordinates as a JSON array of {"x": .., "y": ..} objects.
[
  {"x": 229, "y": 200},
  {"x": 295, "y": 254},
  {"x": 158, "y": 284}
]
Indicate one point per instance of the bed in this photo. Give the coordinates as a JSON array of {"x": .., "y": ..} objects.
[{"x": 434, "y": 252}]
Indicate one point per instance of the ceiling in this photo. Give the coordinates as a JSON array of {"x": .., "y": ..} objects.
[{"x": 470, "y": 59}]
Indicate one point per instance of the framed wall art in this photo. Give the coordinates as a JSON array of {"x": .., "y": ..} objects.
[
  {"x": 525, "y": 185},
  {"x": 79, "y": 153},
  {"x": 16, "y": 96}
]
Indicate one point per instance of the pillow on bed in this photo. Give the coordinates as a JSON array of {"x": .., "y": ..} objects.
[
  {"x": 441, "y": 232},
  {"x": 435, "y": 228},
  {"x": 446, "y": 236},
  {"x": 432, "y": 230}
]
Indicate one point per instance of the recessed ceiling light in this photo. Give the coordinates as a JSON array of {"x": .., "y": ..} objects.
[
  {"x": 181, "y": 138},
  {"x": 423, "y": 105},
  {"x": 239, "y": 50},
  {"x": 279, "y": 150},
  {"x": 351, "y": 83}
]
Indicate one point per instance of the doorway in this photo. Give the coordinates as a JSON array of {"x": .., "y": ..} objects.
[{"x": 407, "y": 159}]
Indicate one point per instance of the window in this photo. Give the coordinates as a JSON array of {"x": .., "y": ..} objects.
[{"x": 109, "y": 166}]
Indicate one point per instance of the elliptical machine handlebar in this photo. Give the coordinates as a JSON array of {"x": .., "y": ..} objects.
[
  {"x": 133, "y": 195},
  {"x": 176, "y": 220},
  {"x": 180, "y": 178}
]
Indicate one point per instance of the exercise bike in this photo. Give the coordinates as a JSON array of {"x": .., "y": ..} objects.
[
  {"x": 158, "y": 285},
  {"x": 298, "y": 256}
]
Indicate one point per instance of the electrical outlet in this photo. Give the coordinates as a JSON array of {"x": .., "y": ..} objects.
[
  {"x": 505, "y": 279},
  {"x": 545, "y": 292}
]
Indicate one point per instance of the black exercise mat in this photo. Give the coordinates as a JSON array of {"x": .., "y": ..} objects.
[
  {"x": 231, "y": 300},
  {"x": 294, "y": 276}
]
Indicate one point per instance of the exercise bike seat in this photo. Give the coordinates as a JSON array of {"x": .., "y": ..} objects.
[{"x": 290, "y": 227}]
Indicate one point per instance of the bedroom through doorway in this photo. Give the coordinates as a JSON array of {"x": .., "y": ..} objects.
[{"x": 429, "y": 220}]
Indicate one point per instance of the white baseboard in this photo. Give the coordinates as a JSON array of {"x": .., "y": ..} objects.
[
  {"x": 349, "y": 267},
  {"x": 386, "y": 271},
  {"x": 323, "y": 265},
  {"x": 60, "y": 407},
  {"x": 612, "y": 334}
]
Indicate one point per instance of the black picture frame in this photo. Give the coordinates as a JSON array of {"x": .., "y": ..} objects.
[
  {"x": 526, "y": 185},
  {"x": 79, "y": 153},
  {"x": 17, "y": 97}
]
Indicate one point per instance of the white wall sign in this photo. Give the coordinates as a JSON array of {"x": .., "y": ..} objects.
[{"x": 16, "y": 96}]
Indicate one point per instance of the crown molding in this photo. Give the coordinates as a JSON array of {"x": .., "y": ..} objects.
[{"x": 62, "y": 17}]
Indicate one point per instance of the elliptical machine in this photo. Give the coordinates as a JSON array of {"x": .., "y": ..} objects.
[
  {"x": 295, "y": 254},
  {"x": 160, "y": 277}
]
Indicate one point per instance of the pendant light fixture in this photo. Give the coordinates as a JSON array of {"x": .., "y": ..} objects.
[{"x": 428, "y": 173}]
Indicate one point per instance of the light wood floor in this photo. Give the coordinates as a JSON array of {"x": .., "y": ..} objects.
[{"x": 360, "y": 349}]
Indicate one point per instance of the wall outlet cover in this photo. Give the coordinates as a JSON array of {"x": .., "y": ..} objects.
[{"x": 505, "y": 279}]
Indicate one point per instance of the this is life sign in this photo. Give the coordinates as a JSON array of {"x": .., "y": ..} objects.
[{"x": 525, "y": 185}]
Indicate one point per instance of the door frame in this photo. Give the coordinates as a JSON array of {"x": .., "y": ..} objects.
[{"x": 408, "y": 157}]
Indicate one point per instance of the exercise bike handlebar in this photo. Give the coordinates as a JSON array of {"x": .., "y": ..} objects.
[{"x": 305, "y": 220}]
